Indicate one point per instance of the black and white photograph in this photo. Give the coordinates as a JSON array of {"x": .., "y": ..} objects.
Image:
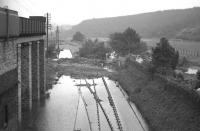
[{"x": 99, "y": 65}]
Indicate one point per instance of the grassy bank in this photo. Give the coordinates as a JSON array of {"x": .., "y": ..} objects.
[
  {"x": 165, "y": 106},
  {"x": 51, "y": 73},
  {"x": 76, "y": 68},
  {"x": 81, "y": 68}
]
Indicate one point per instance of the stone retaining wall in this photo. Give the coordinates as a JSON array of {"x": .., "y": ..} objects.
[{"x": 22, "y": 80}]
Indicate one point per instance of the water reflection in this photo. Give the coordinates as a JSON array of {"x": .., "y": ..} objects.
[
  {"x": 65, "y": 54},
  {"x": 57, "y": 113}
]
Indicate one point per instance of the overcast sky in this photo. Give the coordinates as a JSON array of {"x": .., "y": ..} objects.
[{"x": 74, "y": 11}]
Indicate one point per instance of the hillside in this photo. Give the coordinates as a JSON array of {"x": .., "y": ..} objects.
[{"x": 169, "y": 23}]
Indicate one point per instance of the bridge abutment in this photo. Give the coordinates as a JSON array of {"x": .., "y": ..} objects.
[
  {"x": 42, "y": 66},
  {"x": 21, "y": 67},
  {"x": 22, "y": 80},
  {"x": 35, "y": 67},
  {"x": 25, "y": 76}
]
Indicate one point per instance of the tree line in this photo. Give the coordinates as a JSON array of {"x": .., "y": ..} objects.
[
  {"x": 129, "y": 42},
  {"x": 164, "y": 57}
]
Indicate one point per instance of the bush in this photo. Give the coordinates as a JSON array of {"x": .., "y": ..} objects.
[
  {"x": 127, "y": 42},
  {"x": 51, "y": 51},
  {"x": 183, "y": 61},
  {"x": 198, "y": 75},
  {"x": 152, "y": 71},
  {"x": 164, "y": 56},
  {"x": 198, "y": 80},
  {"x": 93, "y": 49},
  {"x": 78, "y": 36}
]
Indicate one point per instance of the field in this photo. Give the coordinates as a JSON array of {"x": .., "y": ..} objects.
[
  {"x": 177, "y": 43},
  {"x": 185, "y": 48},
  {"x": 183, "y": 44},
  {"x": 188, "y": 49}
]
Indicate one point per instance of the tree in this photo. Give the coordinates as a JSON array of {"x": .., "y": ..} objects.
[
  {"x": 78, "y": 36},
  {"x": 183, "y": 61},
  {"x": 198, "y": 80},
  {"x": 164, "y": 55},
  {"x": 93, "y": 49},
  {"x": 127, "y": 42},
  {"x": 152, "y": 70},
  {"x": 198, "y": 75}
]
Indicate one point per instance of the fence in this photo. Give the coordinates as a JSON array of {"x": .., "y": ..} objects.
[{"x": 188, "y": 53}]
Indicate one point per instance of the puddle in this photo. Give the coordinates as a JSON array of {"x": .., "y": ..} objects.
[{"x": 65, "y": 54}]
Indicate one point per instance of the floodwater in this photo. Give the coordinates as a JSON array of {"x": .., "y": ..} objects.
[
  {"x": 65, "y": 110},
  {"x": 66, "y": 53},
  {"x": 58, "y": 111}
]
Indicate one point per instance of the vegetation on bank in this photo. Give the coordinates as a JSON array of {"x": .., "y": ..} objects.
[
  {"x": 164, "y": 55},
  {"x": 51, "y": 71},
  {"x": 78, "y": 36},
  {"x": 127, "y": 42},
  {"x": 52, "y": 51},
  {"x": 93, "y": 49},
  {"x": 164, "y": 58},
  {"x": 164, "y": 105},
  {"x": 198, "y": 80}
]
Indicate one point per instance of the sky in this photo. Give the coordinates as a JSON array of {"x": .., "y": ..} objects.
[{"x": 74, "y": 11}]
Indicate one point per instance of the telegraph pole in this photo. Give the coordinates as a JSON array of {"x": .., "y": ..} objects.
[
  {"x": 57, "y": 38},
  {"x": 48, "y": 26},
  {"x": 47, "y": 31}
]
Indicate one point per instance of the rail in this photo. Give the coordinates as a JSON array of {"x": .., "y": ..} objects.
[
  {"x": 77, "y": 110},
  {"x": 113, "y": 106},
  {"x": 98, "y": 101},
  {"x": 85, "y": 105},
  {"x": 98, "y": 116}
]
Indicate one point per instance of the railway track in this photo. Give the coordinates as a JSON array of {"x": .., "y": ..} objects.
[
  {"x": 98, "y": 116},
  {"x": 111, "y": 101},
  {"x": 85, "y": 105},
  {"x": 101, "y": 106},
  {"x": 77, "y": 110}
]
